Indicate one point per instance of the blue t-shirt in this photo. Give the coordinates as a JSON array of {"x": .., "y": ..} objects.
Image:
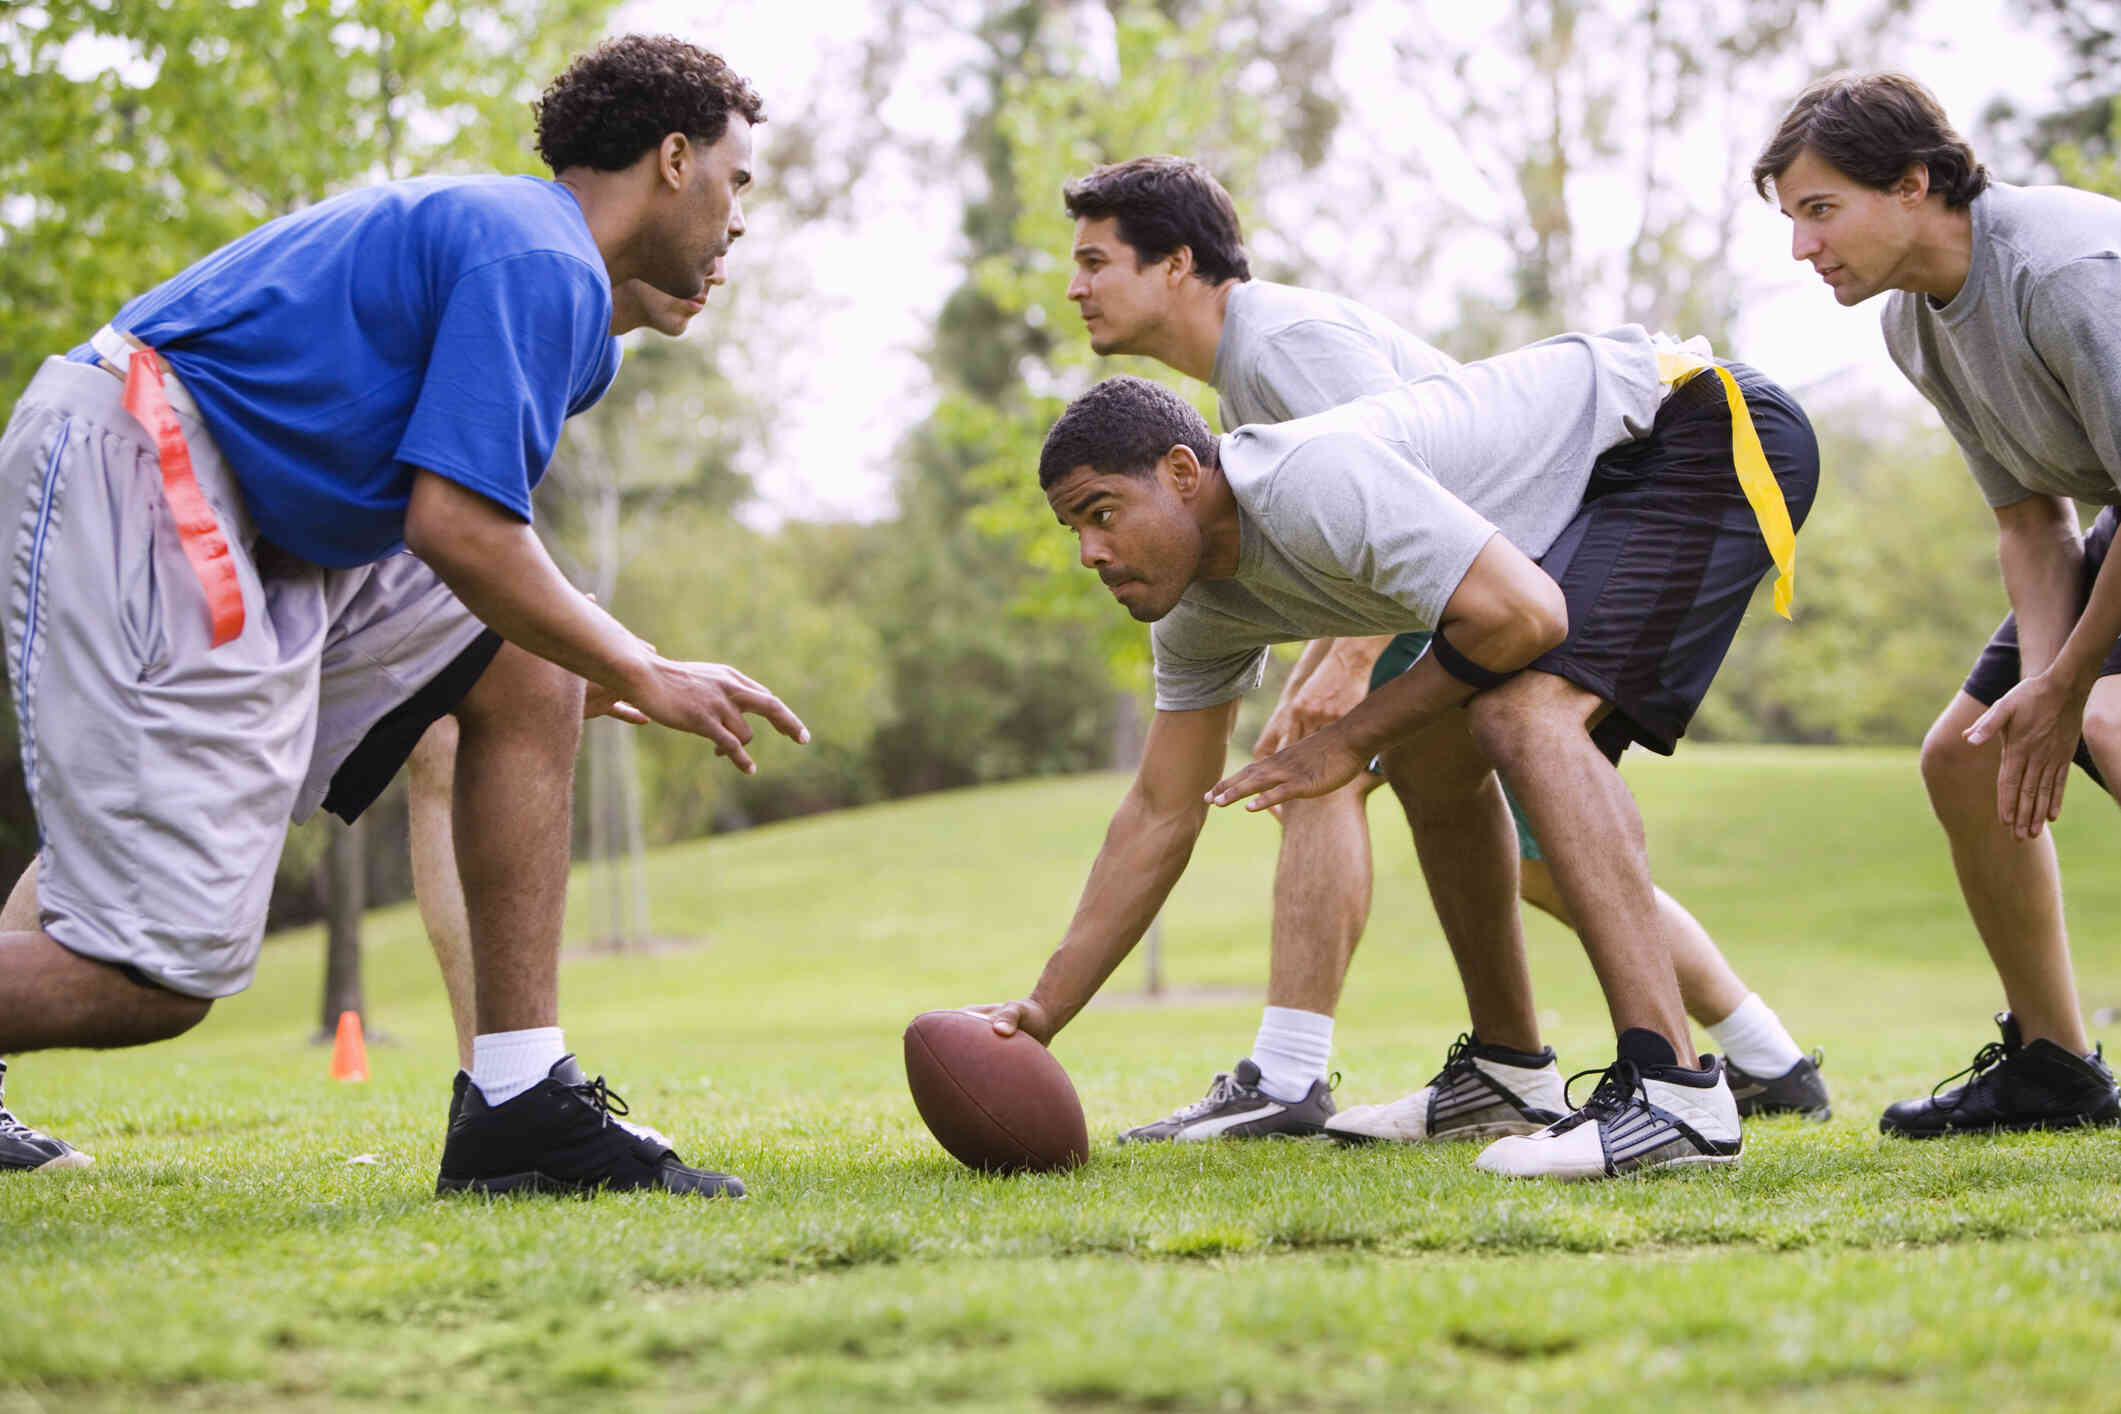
[{"x": 450, "y": 323}]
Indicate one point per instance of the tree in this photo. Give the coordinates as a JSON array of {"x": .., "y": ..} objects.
[{"x": 141, "y": 134}]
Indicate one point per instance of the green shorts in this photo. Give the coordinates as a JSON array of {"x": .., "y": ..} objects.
[{"x": 1399, "y": 656}]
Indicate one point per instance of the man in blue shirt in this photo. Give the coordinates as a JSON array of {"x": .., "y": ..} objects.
[{"x": 207, "y": 511}]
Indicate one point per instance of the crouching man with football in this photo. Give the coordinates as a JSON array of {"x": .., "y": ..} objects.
[{"x": 1581, "y": 524}]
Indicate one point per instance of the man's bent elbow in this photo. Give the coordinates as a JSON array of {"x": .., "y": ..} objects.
[{"x": 1538, "y": 623}]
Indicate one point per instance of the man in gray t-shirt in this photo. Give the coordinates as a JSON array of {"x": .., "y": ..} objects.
[
  {"x": 1626, "y": 469},
  {"x": 2002, "y": 312},
  {"x": 1274, "y": 352}
]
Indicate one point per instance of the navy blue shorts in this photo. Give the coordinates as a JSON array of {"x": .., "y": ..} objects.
[
  {"x": 1996, "y": 670},
  {"x": 1660, "y": 564}
]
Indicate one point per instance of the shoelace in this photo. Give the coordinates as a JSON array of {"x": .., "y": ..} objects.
[
  {"x": 1224, "y": 1089},
  {"x": 597, "y": 1093},
  {"x": 1986, "y": 1059},
  {"x": 1456, "y": 1060},
  {"x": 601, "y": 1095},
  {"x": 1618, "y": 1083}
]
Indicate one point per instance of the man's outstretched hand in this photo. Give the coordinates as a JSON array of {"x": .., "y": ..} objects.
[
  {"x": 712, "y": 700},
  {"x": 1318, "y": 765},
  {"x": 1026, "y": 1016}
]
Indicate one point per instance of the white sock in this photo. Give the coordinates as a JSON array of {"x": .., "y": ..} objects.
[
  {"x": 506, "y": 1063},
  {"x": 1291, "y": 1051},
  {"x": 1754, "y": 1038}
]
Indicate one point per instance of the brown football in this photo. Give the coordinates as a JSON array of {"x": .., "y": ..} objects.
[{"x": 1001, "y": 1104}]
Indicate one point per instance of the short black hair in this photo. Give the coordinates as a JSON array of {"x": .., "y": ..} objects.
[
  {"x": 625, "y": 96},
  {"x": 1162, "y": 203},
  {"x": 1872, "y": 128},
  {"x": 1123, "y": 425}
]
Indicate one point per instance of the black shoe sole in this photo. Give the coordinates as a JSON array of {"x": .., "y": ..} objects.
[
  {"x": 544, "y": 1185},
  {"x": 2005, "y": 1127}
]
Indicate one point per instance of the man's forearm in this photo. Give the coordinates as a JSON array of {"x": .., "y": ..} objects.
[
  {"x": 2041, "y": 565},
  {"x": 501, "y": 572},
  {"x": 1144, "y": 853},
  {"x": 1314, "y": 653},
  {"x": 1500, "y": 642},
  {"x": 2083, "y": 654},
  {"x": 1359, "y": 655}
]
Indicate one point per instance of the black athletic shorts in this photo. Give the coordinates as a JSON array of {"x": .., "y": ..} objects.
[
  {"x": 1660, "y": 563},
  {"x": 1996, "y": 670},
  {"x": 389, "y": 743}
]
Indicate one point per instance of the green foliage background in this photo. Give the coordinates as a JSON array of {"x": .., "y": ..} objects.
[{"x": 957, "y": 641}]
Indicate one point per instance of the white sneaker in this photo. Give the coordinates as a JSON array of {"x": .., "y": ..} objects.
[
  {"x": 1482, "y": 1092},
  {"x": 1637, "y": 1118}
]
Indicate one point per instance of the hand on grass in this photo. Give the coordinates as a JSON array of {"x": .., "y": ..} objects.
[
  {"x": 1318, "y": 765},
  {"x": 1026, "y": 1016},
  {"x": 2039, "y": 723}
]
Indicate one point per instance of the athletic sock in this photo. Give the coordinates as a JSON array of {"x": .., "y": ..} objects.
[
  {"x": 1291, "y": 1051},
  {"x": 1754, "y": 1039},
  {"x": 506, "y": 1063}
]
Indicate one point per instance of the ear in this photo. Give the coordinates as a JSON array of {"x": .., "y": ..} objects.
[
  {"x": 1180, "y": 269},
  {"x": 673, "y": 156},
  {"x": 1183, "y": 468},
  {"x": 1914, "y": 184}
]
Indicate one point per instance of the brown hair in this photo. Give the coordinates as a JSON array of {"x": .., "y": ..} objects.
[
  {"x": 1872, "y": 128},
  {"x": 1163, "y": 203}
]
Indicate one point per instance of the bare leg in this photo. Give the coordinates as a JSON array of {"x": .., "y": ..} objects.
[
  {"x": 1707, "y": 985},
  {"x": 430, "y": 781},
  {"x": 1321, "y": 897},
  {"x": 20, "y": 914},
  {"x": 50, "y": 997},
  {"x": 1468, "y": 850},
  {"x": 2013, "y": 888},
  {"x": 1536, "y": 730},
  {"x": 517, "y": 733}
]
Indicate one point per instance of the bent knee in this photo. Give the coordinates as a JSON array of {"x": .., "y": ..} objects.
[
  {"x": 1953, "y": 766},
  {"x": 2102, "y": 732},
  {"x": 518, "y": 687}
]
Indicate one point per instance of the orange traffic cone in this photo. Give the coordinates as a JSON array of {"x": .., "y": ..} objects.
[{"x": 349, "y": 1054}]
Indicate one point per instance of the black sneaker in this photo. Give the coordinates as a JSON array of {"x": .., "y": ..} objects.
[
  {"x": 1800, "y": 1090},
  {"x": 562, "y": 1135},
  {"x": 1482, "y": 1092},
  {"x": 1236, "y": 1108},
  {"x": 2012, "y": 1086},
  {"x": 24, "y": 1150}
]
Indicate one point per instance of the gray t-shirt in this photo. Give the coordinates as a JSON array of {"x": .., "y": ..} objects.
[
  {"x": 1287, "y": 352},
  {"x": 1363, "y": 519},
  {"x": 2024, "y": 364}
]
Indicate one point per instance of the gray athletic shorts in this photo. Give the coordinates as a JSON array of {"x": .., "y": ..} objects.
[{"x": 164, "y": 772}]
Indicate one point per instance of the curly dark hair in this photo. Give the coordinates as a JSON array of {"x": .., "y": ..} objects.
[
  {"x": 627, "y": 94},
  {"x": 1162, "y": 203},
  {"x": 1872, "y": 128},
  {"x": 1122, "y": 425}
]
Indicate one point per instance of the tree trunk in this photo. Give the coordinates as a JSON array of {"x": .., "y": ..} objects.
[{"x": 345, "y": 894}]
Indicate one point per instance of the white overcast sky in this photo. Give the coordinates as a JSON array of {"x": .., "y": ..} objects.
[{"x": 880, "y": 281}]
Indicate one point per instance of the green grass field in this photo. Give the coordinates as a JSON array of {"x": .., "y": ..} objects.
[{"x": 226, "y": 1253}]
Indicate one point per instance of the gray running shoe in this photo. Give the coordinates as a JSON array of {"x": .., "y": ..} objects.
[
  {"x": 23, "y": 1149},
  {"x": 1482, "y": 1092},
  {"x": 1800, "y": 1090},
  {"x": 1236, "y": 1108}
]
